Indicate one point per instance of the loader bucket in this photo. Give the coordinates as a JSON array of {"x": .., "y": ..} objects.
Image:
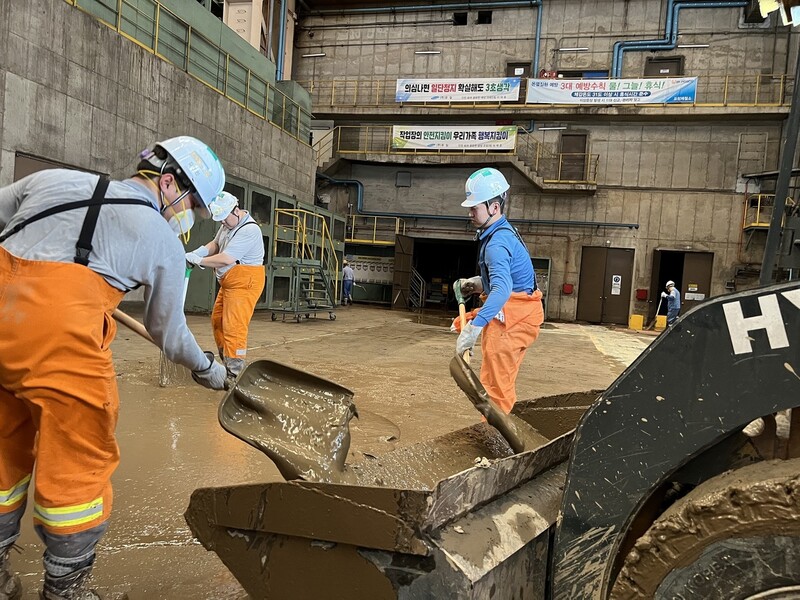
[{"x": 424, "y": 521}]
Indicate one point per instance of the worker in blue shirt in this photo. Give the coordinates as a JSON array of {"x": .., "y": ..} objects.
[
  {"x": 512, "y": 311},
  {"x": 673, "y": 297}
]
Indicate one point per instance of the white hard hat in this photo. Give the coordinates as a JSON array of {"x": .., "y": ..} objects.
[
  {"x": 483, "y": 185},
  {"x": 670, "y": 283},
  {"x": 199, "y": 165},
  {"x": 222, "y": 206}
]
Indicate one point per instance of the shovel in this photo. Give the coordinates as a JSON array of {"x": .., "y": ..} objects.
[
  {"x": 471, "y": 385},
  {"x": 653, "y": 322},
  {"x": 300, "y": 421}
]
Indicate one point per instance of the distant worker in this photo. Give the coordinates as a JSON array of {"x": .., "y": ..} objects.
[
  {"x": 512, "y": 312},
  {"x": 673, "y": 297},
  {"x": 348, "y": 279},
  {"x": 237, "y": 256},
  {"x": 71, "y": 245}
]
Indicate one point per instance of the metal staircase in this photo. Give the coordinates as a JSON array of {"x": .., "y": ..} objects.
[{"x": 304, "y": 264}]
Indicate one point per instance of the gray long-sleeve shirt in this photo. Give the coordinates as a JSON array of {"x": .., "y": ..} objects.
[{"x": 133, "y": 245}]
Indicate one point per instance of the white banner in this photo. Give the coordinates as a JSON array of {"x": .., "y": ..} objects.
[
  {"x": 458, "y": 90},
  {"x": 467, "y": 137},
  {"x": 612, "y": 91}
]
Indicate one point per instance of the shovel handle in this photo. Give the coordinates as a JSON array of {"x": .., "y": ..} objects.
[
  {"x": 133, "y": 325},
  {"x": 462, "y": 314}
]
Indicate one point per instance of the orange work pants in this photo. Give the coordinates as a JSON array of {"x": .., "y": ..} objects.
[
  {"x": 239, "y": 290},
  {"x": 503, "y": 345},
  {"x": 58, "y": 392}
]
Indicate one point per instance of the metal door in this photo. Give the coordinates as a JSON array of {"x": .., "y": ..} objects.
[
  {"x": 590, "y": 284},
  {"x": 696, "y": 279},
  {"x": 617, "y": 285},
  {"x": 572, "y": 159},
  {"x": 403, "y": 261},
  {"x": 667, "y": 66},
  {"x": 604, "y": 287}
]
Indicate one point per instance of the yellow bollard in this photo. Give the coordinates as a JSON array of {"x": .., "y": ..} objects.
[
  {"x": 636, "y": 322},
  {"x": 661, "y": 322}
]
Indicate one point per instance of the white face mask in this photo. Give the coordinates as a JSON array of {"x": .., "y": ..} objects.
[{"x": 181, "y": 223}]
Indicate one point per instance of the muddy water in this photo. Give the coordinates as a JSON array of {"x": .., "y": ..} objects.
[{"x": 172, "y": 443}]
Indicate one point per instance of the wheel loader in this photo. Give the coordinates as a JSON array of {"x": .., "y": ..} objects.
[{"x": 681, "y": 480}]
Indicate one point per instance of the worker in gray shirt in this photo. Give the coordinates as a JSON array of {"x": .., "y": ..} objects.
[{"x": 71, "y": 245}]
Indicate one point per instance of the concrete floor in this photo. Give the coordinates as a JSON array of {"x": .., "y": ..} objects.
[{"x": 171, "y": 443}]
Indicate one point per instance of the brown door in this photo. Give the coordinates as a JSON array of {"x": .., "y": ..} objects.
[
  {"x": 617, "y": 285},
  {"x": 403, "y": 261},
  {"x": 572, "y": 159},
  {"x": 668, "y": 66},
  {"x": 590, "y": 284},
  {"x": 604, "y": 287},
  {"x": 696, "y": 279},
  {"x": 523, "y": 71}
]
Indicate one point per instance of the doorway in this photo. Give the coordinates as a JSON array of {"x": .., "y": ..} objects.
[
  {"x": 572, "y": 158},
  {"x": 604, "y": 287},
  {"x": 666, "y": 66},
  {"x": 691, "y": 272},
  {"x": 437, "y": 263}
]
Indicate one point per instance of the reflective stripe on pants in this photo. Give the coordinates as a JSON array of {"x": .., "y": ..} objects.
[{"x": 58, "y": 392}]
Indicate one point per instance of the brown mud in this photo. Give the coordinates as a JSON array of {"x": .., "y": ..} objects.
[{"x": 171, "y": 441}]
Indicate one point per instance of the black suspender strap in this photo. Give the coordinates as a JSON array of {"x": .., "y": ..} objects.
[
  {"x": 238, "y": 262},
  {"x": 84, "y": 246}
]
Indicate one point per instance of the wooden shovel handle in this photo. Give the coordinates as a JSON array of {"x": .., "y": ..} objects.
[
  {"x": 462, "y": 314},
  {"x": 133, "y": 325}
]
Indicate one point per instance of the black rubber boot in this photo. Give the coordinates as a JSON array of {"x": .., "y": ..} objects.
[
  {"x": 10, "y": 586},
  {"x": 69, "y": 587}
]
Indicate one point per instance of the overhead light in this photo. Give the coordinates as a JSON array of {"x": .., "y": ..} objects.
[
  {"x": 552, "y": 127},
  {"x": 314, "y": 55},
  {"x": 427, "y": 51},
  {"x": 580, "y": 49},
  {"x": 693, "y": 45}
]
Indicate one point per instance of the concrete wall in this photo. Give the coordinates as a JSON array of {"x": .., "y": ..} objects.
[
  {"x": 74, "y": 91},
  {"x": 678, "y": 180},
  {"x": 383, "y": 45}
]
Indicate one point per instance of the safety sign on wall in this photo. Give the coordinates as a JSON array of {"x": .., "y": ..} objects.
[
  {"x": 612, "y": 91},
  {"x": 616, "y": 285},
  {"x": 458, "y": 90},
  {"x": 464, "y": 137}
]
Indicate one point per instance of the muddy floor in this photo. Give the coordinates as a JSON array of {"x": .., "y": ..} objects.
[{"x": 171, "y": 443}]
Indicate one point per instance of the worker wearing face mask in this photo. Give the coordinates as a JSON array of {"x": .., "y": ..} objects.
[
  {"x": 237, "y": 256},
  {"x": 512, "y": 311},
  {"x": 71, "y": 245}
]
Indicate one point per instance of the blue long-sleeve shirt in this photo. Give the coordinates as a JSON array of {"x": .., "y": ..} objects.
[
  {"x": 674, "y": 300},
  {"x": 505, "y": 268}
]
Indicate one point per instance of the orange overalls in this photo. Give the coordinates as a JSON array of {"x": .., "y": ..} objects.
[
  {"x": 58, "y": 392},
  {"x": 239, "y": 291},
  {"x": 503, "y": 345}
]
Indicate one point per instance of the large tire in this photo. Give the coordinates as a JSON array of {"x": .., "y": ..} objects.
[{"x": 734, "y": 536}]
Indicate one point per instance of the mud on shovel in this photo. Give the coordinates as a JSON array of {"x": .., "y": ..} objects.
[
  {"x": 300, "y": 421},
  {"x": 471, "y": 385}
]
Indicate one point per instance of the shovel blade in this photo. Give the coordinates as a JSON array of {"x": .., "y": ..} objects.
[
  {"x": 300, "y": 421},
  {"x": 471, "y": 385}
]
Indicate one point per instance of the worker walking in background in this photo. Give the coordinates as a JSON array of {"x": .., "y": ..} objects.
[
  {"x": 71, "y": 245},
  {"x": 348, "y": 279},
  {"x": 512, "y": 312},
  {"x": 237, "y": 256},
  {"x": 673, "y": 297}
]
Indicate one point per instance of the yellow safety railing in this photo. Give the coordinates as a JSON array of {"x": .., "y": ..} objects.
[
  {"x": 758, "y": 210},
  {"x": 382, "y": 230},
  {"x": 755, "y": 89},
  {"x": 309, "y": 232},
  {"x": 557, "y": 167},
  {"x": 147, "y": 23}
]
